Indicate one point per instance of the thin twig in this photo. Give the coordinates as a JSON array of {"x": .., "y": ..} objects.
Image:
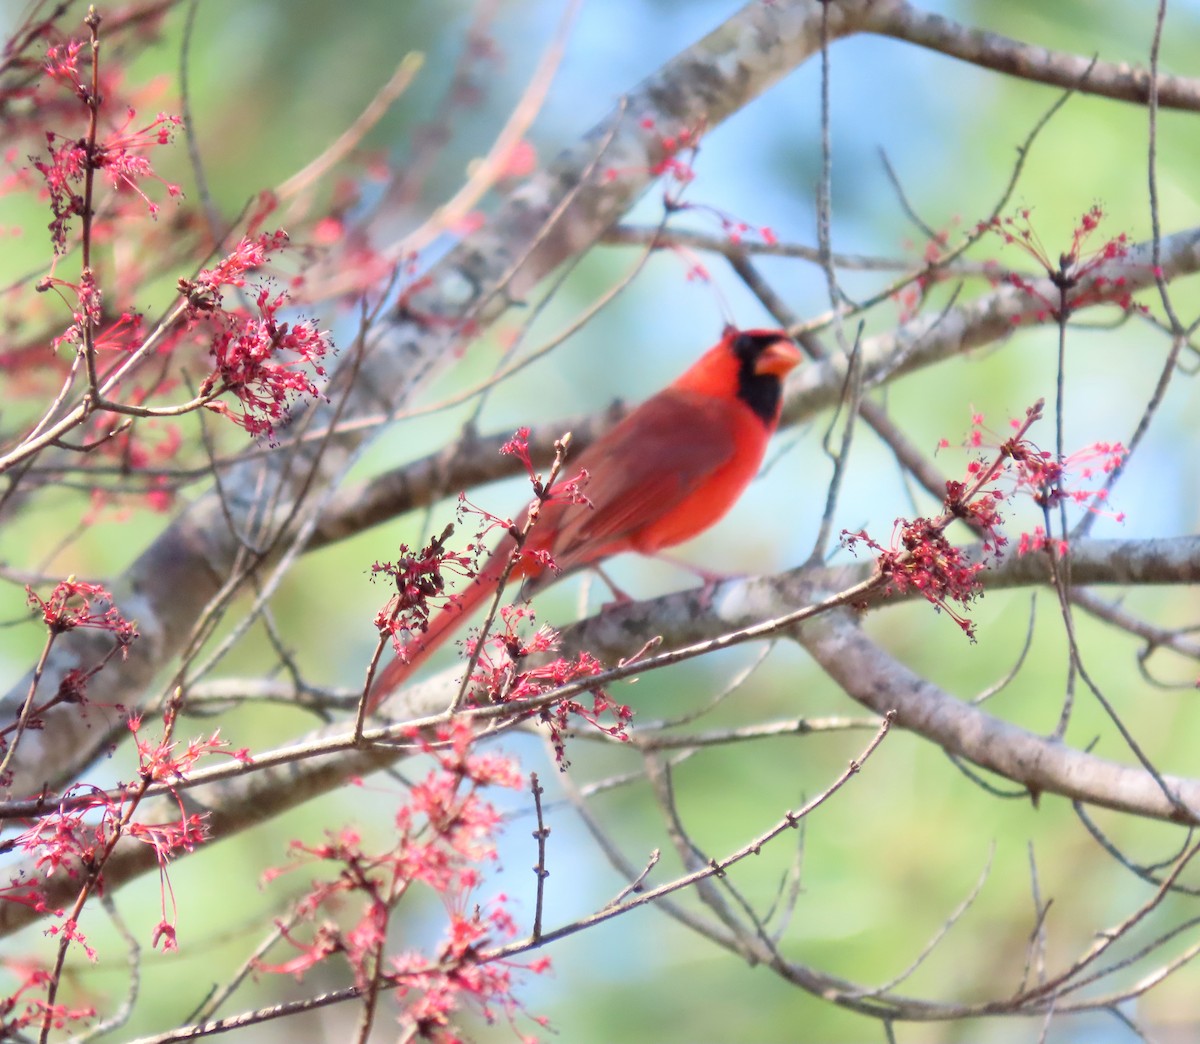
[{"x": 539, "y": 835}]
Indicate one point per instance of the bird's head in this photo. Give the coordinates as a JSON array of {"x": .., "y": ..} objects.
[{"x": 764, "y": 358}]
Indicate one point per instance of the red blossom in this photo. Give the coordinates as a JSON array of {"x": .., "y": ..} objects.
[
  {"x": 263, "y": 362},
  {"x": 922, "y": 559},
  {"x": 1048, "y": 482},
  {"x": 123, "y": 334},
  {"x": 164, "y": 761},
  {"x": 164, "y": 933},
  {"x": 325, "y": 941},
  {"x": 980, "y": 508},
  {"x": 76, "y": 838},
  {"x": 675, "y": 164},
  {"x": 169, "y": 838},
  {"x": 676, "y": 153},
  {"x": 1038, "y": 541},
  {"x": 912, "y": 295},
  {"x": 420, "y": 582},
  {"x": 500, "y": 678},
  {"x": 518, "y": 446},
  {"x": 65, "y": 841},
  {"x": 252, "y": 252},
  {"x": 118, "y": 152},
  {"x": 86, "y": 302},
  {"x": 69, "y": 929},
  {"x": 1029, "y": 470},
  {"x": 119, "y": 155},
  {"x": 434, "y": 993},
  {"x": 74, "y": 603},
  {"x": 62, "y": 65},
  {"x": 735, "y": 230},
  {"x": 442, "y": 834},
  {"x": 24, "y": 1008},
  {"x": 1075, "y": 274}
]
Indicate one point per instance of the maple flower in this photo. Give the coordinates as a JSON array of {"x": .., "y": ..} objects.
[
  {"x": 1023, "y": 468},
  {"x": 500, "y": 678},
  {"x": 119, "y": 156},
  {"x": 264, "y": 363},
  {"x": 444, "y": 832},
  {"x": 1037, "y": 540},
  {"x": 119, "y": 153},
  {"x": 434, "y": 993},
  {"x": 71, "y": 837},
  {"x": 420, "y": 581},
  {"x": 1048, "y": 482},
  {"x": 518, "y": 446},
  {"x": 252, "y": 252},
  {"x": 166, "y": 761},
  {"x": 62, "y": 65},
  {"x": 921, "y": 559},
  {"x": 74, "y": 603},
  {"x": 1075, "y": 274},
  {"x": 22, "y": 1009}
]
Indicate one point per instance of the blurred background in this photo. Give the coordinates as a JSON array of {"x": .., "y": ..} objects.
[{"x": 884, "y": 865}]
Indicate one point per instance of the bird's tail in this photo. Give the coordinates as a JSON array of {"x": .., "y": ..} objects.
[{"x": 443, "y": 624}]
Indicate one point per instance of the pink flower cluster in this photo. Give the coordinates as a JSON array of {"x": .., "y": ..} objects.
[
  {"x": 265, "y": 363},
  {"x": 920, "y": 557},
  {"x": 119, "y": 153},
  {"x": 441, "y": 835},
  {"x": 1077, "y": 274}
]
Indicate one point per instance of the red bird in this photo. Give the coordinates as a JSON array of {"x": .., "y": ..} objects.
[{"x": 668, "y": 471}]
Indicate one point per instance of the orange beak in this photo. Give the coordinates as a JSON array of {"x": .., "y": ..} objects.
[{"x": 779, "y": 358}]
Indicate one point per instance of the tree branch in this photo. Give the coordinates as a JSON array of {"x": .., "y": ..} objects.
[{"x": 989, "y": 50}]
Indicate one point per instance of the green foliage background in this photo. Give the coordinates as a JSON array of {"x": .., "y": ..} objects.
[{"x": 886, "y": 862}]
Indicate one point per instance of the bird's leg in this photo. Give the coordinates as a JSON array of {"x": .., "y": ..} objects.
[
  {"x": 709, "y": 577},
  {"x": 619, "y": 596}
]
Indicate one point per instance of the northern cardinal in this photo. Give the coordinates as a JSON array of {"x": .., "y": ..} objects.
[{"x": 669, "y": 470}]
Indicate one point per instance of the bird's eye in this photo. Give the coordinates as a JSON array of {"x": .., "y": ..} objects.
[{"x": 745, "y": 346}]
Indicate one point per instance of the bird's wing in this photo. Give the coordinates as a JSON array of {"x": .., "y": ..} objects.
[{"x": 639, "y": 472}]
